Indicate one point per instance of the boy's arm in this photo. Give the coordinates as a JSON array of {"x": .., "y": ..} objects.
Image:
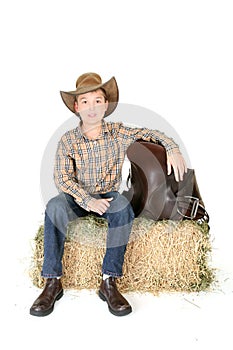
[
  {"x": 159, "y": 137},
  {"x": 175, "y": 159},
  {"x": 64, "y": 177}
]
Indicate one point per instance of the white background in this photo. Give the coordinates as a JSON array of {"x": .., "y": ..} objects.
[{"x": 173, "y": 57}]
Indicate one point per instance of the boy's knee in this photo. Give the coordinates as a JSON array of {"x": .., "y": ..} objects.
[
  {"x": 56, "y": 204},
  {"x": 121, "y": 211},
  {"x": 125, "y": 207}
]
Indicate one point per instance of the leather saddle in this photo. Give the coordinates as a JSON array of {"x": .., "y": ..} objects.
[{"x": 156, "y": 195}]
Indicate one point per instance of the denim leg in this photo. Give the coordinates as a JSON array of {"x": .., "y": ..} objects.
[
  {"x": 60, "y": 210},
  {"x": 120, "y": 217}
]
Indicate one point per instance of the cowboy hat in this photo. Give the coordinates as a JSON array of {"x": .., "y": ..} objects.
[{"x": 90, "y": 82}]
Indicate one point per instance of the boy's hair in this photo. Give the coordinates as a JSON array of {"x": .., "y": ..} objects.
[{"x": 104, "y": 93}]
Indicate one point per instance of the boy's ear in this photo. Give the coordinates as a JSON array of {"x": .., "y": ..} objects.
[
  {"x": 76, "y": 106},
  {"x": 106, "y": 105}
]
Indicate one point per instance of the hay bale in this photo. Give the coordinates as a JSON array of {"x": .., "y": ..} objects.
[{"x": 160, "y": 256}]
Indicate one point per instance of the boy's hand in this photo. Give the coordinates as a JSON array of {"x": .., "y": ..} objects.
[
  {"x": 177, "y": 162},
  {"x": 99, "y": 206}
]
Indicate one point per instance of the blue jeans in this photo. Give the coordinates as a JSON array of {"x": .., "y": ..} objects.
[{"x": 62, "y": 209}]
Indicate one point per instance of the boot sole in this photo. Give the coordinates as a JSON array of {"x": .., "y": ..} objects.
[
  {"x": 115, "y": 313},
  {"x": 48, "y": 311}
]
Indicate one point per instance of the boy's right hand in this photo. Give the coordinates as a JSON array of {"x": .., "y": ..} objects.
[{"x": 99, "y": 206}]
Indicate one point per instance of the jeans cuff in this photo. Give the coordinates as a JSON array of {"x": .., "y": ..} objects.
[
  {"x": 113, "y": 274},
  {"x": 47, "y": 275}
]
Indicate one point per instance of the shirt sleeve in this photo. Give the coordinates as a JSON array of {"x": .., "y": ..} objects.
[
  {"x": 156, "y": 136},
  {"x": 64, "y": 176}
]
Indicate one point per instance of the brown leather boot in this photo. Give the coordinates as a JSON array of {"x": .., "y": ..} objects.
[
  {"x": 117, "y": 304},
  {"x": 44, "y": 304}
]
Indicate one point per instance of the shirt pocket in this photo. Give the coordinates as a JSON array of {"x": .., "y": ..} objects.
[{"x": 81, "y": 162}]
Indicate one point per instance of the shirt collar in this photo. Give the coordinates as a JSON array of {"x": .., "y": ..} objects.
[{"x": 103, "y": 130}]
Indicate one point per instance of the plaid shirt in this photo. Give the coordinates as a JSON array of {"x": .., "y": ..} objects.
[{"x": 85, "y": 166}]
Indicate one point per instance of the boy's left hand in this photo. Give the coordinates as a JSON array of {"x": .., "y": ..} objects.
[{"x": 176, "y": 161}]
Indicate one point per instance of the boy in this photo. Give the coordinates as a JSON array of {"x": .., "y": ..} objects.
[{"x": 87, "y": 174}]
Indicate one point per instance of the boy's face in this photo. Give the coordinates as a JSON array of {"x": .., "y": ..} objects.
[{"x": 91, "y": 107}]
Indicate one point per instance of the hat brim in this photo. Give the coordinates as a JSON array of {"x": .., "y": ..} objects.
[{"x": 110, "y": 87}]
